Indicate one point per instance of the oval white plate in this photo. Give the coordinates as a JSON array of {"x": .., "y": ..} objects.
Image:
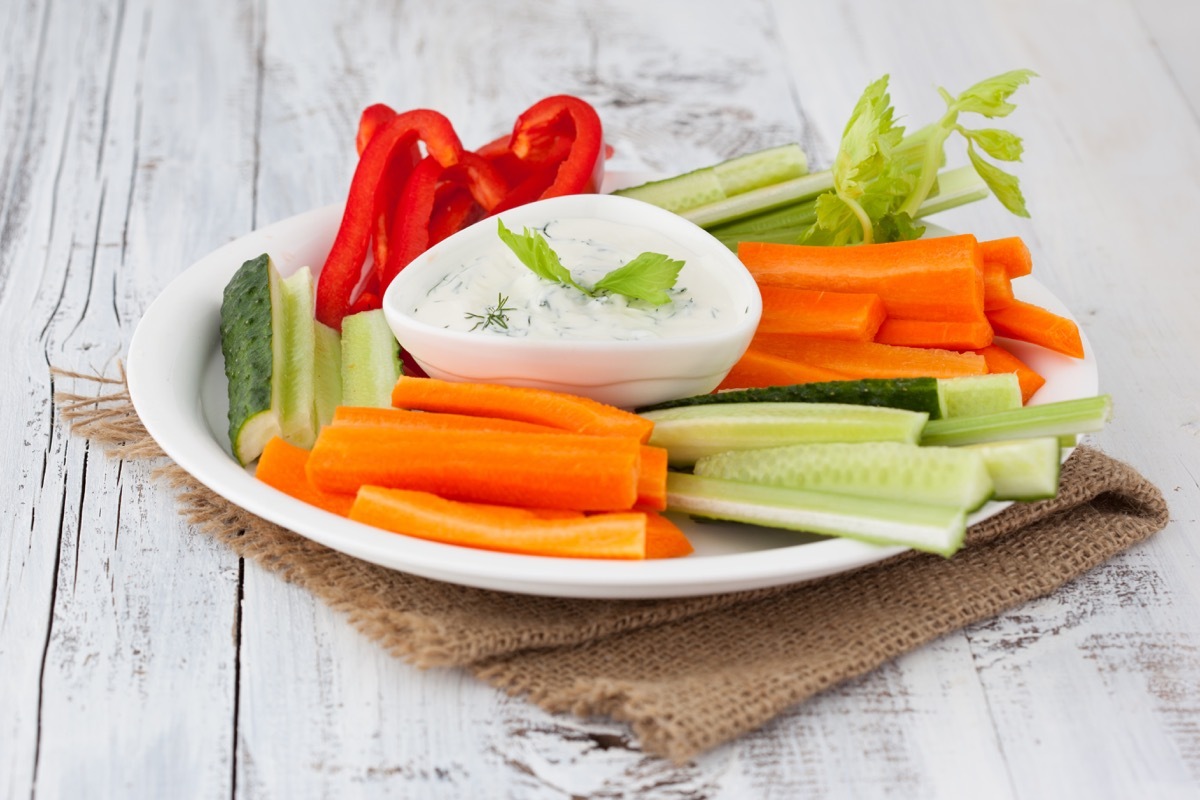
[{"x": 177, "y": 382}]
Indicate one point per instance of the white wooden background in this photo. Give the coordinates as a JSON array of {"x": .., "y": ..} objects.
[{"x": 138, "y": 660}]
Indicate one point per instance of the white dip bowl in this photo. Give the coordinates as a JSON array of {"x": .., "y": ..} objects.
[{"x": 608, "y": 366}]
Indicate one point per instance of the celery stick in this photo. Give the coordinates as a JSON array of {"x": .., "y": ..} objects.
[
  {"x": 761, "y": 199},
  {"x": 1085, "y": 415}
]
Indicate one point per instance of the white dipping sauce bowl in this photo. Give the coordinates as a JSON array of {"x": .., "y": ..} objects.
[{"x": 622, "y": 373}]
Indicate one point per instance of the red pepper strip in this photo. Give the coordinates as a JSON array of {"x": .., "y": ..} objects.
[
  {"x": 454, "y": 209},
  {"x": 539, "y": 176},
  {"x": 583, "y": 168},
  {"x": 372, "y": 118},
  {"x": 343, "y": 265},
  {"x": 505, "y": 161},
  {"x": 484, "y": 181},
  {"x": 410, "y": 234}
]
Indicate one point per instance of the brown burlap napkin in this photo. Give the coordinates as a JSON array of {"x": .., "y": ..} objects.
[{"x": 686, "y": 674}]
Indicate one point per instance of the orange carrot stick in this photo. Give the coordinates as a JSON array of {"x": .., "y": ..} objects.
[
  {"x": 652, "y": 464},
  {"x": 1001, "y": 360},
  {"x": 758, "y": 368},
  {"x": 939, "y": 278},
  {"x": 870, "y": 359},
  {"x": 997, "y": 286},
  {"x": 664, "y": 539},
  {"x": 556, "y": 409},
  {"x": 1029, "y": 323},
  {"x": 281, "y": 465},
  {"x": 428, "y": 516},
  {"x": 1011, "y": 252},
  {"x": 928, "y": 333},
  {"x": 830, "y": 315},
  {"x": 532, "y": 470}
]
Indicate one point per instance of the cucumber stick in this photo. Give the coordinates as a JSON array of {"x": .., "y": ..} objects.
[
  {"x": 692, "y": 432},
  {"x": 267, "y": 342},
  {"x": 935, "y": 529},
  {"x": 914, "y": 394},
  {"x": 946, "y": 476},
  {"x": 1022, "y": 469},
  {"x": 327, "y": 372},
  {"x": 251, "y": 315},
  {"x": 973, "y": 395},
  {"x": 1084, "y": 415},
  {"x": 370, "y": 360}
]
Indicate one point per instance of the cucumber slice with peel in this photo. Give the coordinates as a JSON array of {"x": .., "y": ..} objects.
[
  {"x": 935, "y": 529},
  {"x": 945, "y": 476},
  {"x": 1022, "y": 469},
  {"x": 692, "y": 432},
  {"x": 252, "y": 344},
  {"x": 370, "y": 360}
]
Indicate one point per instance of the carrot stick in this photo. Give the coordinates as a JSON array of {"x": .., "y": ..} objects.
[
  {"x": 1001, "y": 360},
  {"x": 532, "y": 470},
  {"x": 938, "y": 279},
  {"x": 757, "y": 368},
  {"x": 427, "y": 516},
  {"x": 1029, "y": 323},
  {"x": 281, "y": 466},
  {"x": 870, "y": 359},
  {"x": 652, "y": 463},
  {"x": 1011, "y": 252},
  {"x": 556, "y": 409},
  {"x": 830, "y": 315},
  {"x": 997, "y": 286},
  {"x": 664, "y": 539},
  {"x": 927, "y": 333}
]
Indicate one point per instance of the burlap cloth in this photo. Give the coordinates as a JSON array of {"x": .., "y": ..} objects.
[{"x": 686, "y": 674}]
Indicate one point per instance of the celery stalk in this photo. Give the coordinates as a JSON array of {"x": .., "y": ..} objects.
[{"x": 1084, "y": 415}]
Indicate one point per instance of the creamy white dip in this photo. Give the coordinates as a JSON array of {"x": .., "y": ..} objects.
[{"x": 541, "y": 309}]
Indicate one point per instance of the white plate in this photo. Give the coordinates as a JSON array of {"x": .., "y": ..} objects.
[{"x": 177, "y": 382}]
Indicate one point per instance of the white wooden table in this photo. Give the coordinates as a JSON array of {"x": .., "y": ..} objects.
[{"x": 138, "y": 660}]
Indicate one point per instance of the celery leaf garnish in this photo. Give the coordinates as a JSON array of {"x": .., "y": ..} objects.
[{"x": 532, "y": 249}]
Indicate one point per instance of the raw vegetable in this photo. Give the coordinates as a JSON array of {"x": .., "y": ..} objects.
[
  {"x": 929, "y": 333},
  {"x": 945, "y": 476},
  {"x": 252, "y": 322},
  {"x": 914, "y": 394},
  {"x": 736, "y": 176},
  {"x": 581, "y": 169},
  {"x": 758, "y": 369},
  {"x": 327, "y": 372},
  {"x": 870, "y": 359},
  {"x": 494, "y": 527},
  {"x": 370, "y": 360},
  {"x": 663, "y": 537},
  {"x": 1022, "y": 469},
  {"x": 692, "y": 432},
  {"x": 936, "y": 529},
  {"x": 981, "y": 394},
  {"x": 824, "y": 314},
  {"x": 1009, "y": 252},
  {"x": 938, "y": 278},
  {"x": 297, "y": 399},
  {"x": 1085, "y": 415},
  {"x": 1029, "y": 323},
  {"x": 282, "y": 466},
  {"x": 1001, "y": 360},
  {"x": 532, "y": 470},
  {"x": 997, "y": 285},
  {"x": 541, "y": 406}
]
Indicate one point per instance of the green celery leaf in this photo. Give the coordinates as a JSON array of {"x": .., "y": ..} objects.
[
  {"x": 646, "y": 277},
  {"x": 999, "y": 144},
  {"x": 990, "y": 97},
  {"x": 1003, "y": 185},
  {"x": 532, "y": 249},
  {"x": 897, "y": 227}
]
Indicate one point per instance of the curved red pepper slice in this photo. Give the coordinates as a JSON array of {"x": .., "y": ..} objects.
[
  {"x": 370, "y": 121},
  {"x": 410, "y": 232},
  {"x": 583, "y": 168},
  {"x": 343, "y": 266}
]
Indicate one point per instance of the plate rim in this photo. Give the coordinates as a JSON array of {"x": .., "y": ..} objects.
[{"x": 169, "y": 402}]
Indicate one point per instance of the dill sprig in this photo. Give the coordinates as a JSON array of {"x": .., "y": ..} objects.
[{"x": 493, "y": 315}]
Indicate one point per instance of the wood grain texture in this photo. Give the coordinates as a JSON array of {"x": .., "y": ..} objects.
[{"x": 137, "y": 658}]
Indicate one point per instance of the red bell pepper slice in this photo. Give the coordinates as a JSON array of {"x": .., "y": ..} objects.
[
  {"x": 454, "y": 209},
  {"x": 410, "y": 233},
  {"x": 370, "y": 121},
  {"x": 583, "y": 168},
  {"x": 397, "y": 171},
  {"x": 343, "y": 266}
]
